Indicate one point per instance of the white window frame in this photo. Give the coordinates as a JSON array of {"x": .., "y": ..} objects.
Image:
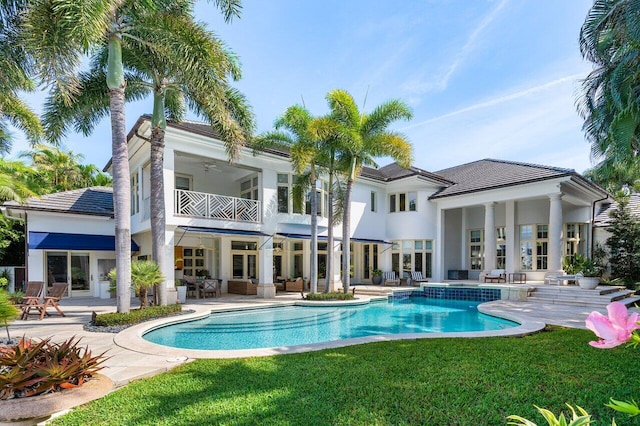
[
  {"x": 402, "y": 202},
  {"x": 475, "y": 240}
]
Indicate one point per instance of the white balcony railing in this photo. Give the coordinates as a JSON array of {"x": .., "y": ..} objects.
[{"x": 213, "y": 206}]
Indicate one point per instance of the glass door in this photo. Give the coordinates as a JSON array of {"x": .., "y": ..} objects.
[
  {"x": 80, "y": 275},
  {"x": 369, "y": 260},
  {"x": 70, "y": 268},
  {"x": 57, "y": 268}
]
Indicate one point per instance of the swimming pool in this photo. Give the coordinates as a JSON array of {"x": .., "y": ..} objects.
[{"x": 297, "y": 325}]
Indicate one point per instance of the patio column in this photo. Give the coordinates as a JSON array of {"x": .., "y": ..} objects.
[
  {"x": 555, "y": 233},
  {"x": 266, "y": 289},
  {"x": 489, "y": 237}
]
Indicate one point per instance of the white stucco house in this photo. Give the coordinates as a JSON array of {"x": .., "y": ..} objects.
[{"x": 237, "y": 221}]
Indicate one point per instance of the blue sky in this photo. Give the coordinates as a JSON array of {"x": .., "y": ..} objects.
[{"x": 485, "y": 78}]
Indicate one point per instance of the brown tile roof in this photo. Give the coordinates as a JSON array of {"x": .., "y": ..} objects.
[
  {"x": 491, "y": 174},
  {"x": 97, "y": 201}
]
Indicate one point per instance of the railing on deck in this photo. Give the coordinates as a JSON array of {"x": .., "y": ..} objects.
[{"x": 213, "y": 206}]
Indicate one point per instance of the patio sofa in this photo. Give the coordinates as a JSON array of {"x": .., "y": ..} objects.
[{"x": 245, "y": 287}]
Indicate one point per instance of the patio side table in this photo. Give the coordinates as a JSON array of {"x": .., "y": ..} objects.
[{"x": 518, "y": 277}]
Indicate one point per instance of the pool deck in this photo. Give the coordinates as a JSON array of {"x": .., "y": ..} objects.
[{"x": 131, "y": 358}]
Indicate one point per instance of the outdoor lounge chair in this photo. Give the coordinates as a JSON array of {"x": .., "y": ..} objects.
[
  {"x": 31, "y": 299},
  {"x": 52, "y": 299},
  {"x": 416, "y": 276},
  {"x": 391, "y": 278},
  {"x": 496, "y": 275},
  {"x": 557, "y": 279}
]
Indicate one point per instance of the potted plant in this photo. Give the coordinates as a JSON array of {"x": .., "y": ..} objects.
[
  {"x": 376, "y": 276},
  {"x": 591, "y": 269}
]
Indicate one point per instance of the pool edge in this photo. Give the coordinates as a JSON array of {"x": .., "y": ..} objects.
[{"x": 131, "y": 338}]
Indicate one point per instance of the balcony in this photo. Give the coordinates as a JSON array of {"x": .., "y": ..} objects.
[{"x": 213, "y": 206}]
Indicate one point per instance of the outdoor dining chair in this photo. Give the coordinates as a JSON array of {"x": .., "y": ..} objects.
[{"x": 52, "y": 299}]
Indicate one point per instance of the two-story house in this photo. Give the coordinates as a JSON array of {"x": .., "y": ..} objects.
[{"x": 238, "y": 220}]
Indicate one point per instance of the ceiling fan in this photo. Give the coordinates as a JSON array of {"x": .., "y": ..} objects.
[
  {"x": 210, "y": 167},
  {"x": 204, "y": 247}
]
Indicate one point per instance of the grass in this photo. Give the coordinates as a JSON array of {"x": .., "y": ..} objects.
[{"x": 427, "y": 382}]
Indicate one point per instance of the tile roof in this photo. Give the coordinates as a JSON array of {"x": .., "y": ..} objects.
[
  {"x": 490, "y": 174},
  {"x": 97, "y": 200},
  {"x": 602, "y": 218}
]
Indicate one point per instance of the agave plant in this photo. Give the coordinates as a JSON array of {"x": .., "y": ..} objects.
[{"x": 33, "y": 368}]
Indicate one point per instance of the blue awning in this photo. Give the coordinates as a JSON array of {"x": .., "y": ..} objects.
[
  {"x": 223, "y": 231},
  {"x": 368, "y": 240},
  {"x": 60, "y": 241}
]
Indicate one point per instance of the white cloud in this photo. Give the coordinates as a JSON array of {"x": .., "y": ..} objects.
[{"x": 441, "y": 81}]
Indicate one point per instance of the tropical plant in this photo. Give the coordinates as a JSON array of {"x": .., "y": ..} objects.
[
  {"x": 610, "y": 38},
  {"x": 588, "y": 266},
  {"x": 14, "y": 79},
  {"x": 184, "y": 64},
  {"x": 144, "y": 275},
  {"x": 293, "y": 133},
  {"x": 623, "y": 244},
  {"x": 8, "y": 311},
  {"x": 363, "y": 138},
  {"x": 30, "y": 368}
]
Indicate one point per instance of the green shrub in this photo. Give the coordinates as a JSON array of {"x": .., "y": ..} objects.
[
  {"x": 135, "y": 316},
  {"x": 31, "y": 368},
  {"x": 329, "y": 296},
  {"x": 8, "y": 311}
]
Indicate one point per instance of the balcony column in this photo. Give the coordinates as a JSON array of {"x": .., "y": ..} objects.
[
  {"x": 266, "y": 289},
  {"x": 555, "y": 233},
  {"x": 489, "y": 237}
]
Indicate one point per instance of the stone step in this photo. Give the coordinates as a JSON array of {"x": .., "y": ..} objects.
[
  {"x": 572, "y": 295},
  {"x": 575, "y": 290},
  {"x": 631, "y": 302}
]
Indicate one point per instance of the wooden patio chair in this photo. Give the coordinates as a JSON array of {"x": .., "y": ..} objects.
[
  {"x": 31, "y": 299},
  {"x": 211, "y": 287},
  {"x": 52, "y": 299}
]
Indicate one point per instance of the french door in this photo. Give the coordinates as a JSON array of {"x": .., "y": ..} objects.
[{"x": 71, "y": 268}]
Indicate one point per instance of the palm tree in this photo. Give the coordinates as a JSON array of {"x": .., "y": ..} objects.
[
  {"x": 14, "y": 78},
  {"x": 297, "y": 138},
  {"x": 363, "y": 138},
  {"x": 610, "y": 38},
  {"x": 57, "y": 34},
  {"x": 326, "y": 130},
  {"x": 16, "y": 181},
  {"x": 58, "y": 170},
  {"x": 192, "y": 69}
]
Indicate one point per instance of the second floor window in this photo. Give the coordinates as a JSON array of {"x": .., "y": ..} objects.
[
  {"x": 403, "y": 202},
  {"x": 249, "y": 188},
  {"x": 135, "y": 194},
  {"x": 285, "y": 200}
]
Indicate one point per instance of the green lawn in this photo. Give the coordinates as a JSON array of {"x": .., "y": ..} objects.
[{"x": 428, "y": 382}]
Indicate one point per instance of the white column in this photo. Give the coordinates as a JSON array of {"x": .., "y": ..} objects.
[
  {"x": 555, "y": 233},
  {"x": 512, "y": 251},
  {"x": 169, "y": 265},
  {"x": 266, "y": 289},
  {"x": 438, "y": 246},
  {"x": 489, "y": 237}
]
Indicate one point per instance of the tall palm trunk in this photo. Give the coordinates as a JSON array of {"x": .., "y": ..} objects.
[
  {"x": 121, "y": 182},
  {"x": 346, "y": 231},
  {"x": 314, "y": 233},
  {"x": 329, "y": 263},
  {"x": 158, "y": 215}
]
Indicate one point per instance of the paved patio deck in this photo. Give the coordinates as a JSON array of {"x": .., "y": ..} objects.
[{"x": 131, "y": 363}]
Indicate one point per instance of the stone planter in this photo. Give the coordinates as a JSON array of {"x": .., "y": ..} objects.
[
  {"x": 35, "y": 409},
  {"x": 376, "y": 279},
  {"x": 589, "y": 283}
]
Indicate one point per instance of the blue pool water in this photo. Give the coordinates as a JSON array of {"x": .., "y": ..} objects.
[{"x": 299, "y": 325}]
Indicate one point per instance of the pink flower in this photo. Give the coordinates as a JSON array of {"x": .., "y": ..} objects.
[{"x": 613, "y": 330}]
